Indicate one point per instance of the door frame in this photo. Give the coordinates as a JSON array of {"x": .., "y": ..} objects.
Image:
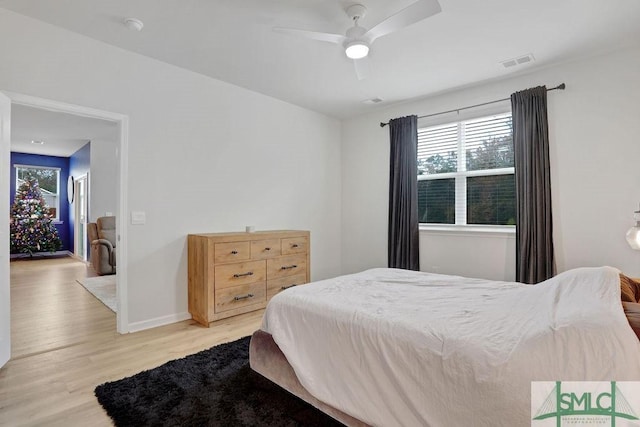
[
  {"x": 76, "y": 236},
  {"x": 122, "y": 315},
  {"x": 5, "y": 290}
]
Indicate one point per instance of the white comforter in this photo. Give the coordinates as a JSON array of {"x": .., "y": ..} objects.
[{"x": 399, "y": 348}]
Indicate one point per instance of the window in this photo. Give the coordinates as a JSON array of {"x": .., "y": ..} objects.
[
  {"x": 465, "y": 173},
  {"x": 49, "y": 182}
]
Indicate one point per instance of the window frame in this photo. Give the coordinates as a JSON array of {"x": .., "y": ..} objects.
[
  {"x": 460, "y": 177},
  {"x": 55, "y": 219}
]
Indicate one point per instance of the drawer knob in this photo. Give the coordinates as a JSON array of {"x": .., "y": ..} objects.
[
  {"x": 288, "y": 267},
  {"x": 248, "y": 273},
  {"x": 241, "y": 297},
  {"x": 267, "y": 249},
  {"x": 287, "y": 287},
  {"x": 234, "y": 252},
  {"x": 295, "y": 245}
]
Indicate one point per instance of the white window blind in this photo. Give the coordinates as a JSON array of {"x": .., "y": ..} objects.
[
  {"x": 438, "y": 149},
  {"x": 465, "y": 172}
]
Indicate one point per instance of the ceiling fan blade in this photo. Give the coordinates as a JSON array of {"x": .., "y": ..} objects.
[
  {"x": 314, "y": 35},
  {"x": 362, "y": 67},
  {"x": 422, "y": 9}
]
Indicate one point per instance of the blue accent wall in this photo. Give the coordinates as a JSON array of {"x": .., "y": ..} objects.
[{"x": 54, "y": 162}]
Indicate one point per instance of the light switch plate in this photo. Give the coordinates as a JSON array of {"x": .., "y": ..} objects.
[
  {"x": 108, "y": 214},
  {"x": 138, "y": 217}
]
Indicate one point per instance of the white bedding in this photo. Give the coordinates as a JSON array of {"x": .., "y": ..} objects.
[{"x": 400, "y": 348}]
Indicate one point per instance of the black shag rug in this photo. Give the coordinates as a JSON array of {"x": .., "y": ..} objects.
[{"x": 215, "y": 387}]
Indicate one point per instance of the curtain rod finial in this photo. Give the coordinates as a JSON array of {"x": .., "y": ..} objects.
[
  {"x": 383, "y": 124},
  {"x": 562, "y": 86}
]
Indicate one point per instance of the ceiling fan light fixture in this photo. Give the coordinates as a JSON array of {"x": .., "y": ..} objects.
[{"x": 356, "y": 49}]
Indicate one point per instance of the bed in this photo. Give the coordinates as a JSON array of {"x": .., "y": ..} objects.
[{"x": 395, "y": 347}]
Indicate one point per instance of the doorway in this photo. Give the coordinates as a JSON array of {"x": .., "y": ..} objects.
[
  {"x": 122, "y": 121},
  {"x": 80, "y": 201}
]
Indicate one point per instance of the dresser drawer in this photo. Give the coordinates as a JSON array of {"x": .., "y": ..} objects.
[
  {"x": 240, "y": 273},
  {"x": 230, "y": 252},
  {"x": 294, "y": 245},
  {"x": 261, "y": 249},
  {"x": 277, "y": 285},
  {"x": 286, "y": 266},
  {"x": 240, "y": 296}
]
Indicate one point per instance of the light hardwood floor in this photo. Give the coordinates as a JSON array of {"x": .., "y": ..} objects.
[{"x": 64, "y": 344}]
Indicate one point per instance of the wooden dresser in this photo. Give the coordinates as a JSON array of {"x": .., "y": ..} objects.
[{"x": 234, "y": 273}]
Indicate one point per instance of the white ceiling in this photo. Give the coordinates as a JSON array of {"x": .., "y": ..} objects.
[
  {"x": 63, "y": 134},
  {"x": 233, "y": 41}
]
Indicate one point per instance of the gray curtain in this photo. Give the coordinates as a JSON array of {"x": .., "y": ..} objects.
[
  {"x": 403, "y": 249},
  {"x": 534, "y": 226}
]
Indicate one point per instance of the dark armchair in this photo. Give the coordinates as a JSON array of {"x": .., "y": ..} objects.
[{"x": 102, "y": 237}]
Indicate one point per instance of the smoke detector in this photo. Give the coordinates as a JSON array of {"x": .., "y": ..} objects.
[
  {"x": 372, "y": 101},
  {"x": 133, "y": 24}
]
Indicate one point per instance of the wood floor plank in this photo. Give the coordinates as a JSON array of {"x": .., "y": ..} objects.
[{"x": 64, "y": 344}]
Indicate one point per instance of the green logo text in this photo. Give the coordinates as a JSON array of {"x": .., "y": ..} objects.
[{"x": 610, "y": 404}]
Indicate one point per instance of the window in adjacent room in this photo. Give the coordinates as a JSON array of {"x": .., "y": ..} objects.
[
  {"x": 49, "y": 182},
  {"x": 465, "y": 172}
]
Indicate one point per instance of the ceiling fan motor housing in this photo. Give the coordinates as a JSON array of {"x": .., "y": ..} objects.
[{"x": 356, "y": 33}]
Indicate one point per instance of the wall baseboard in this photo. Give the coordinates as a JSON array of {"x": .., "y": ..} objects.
[
  {"x": 158, "y": 321},
  {"x": 41, "y": 255}
]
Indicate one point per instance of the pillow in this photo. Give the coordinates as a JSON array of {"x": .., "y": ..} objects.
[
  {"x": 629, "y": 289},
  {"x": 632, "y": 311}
]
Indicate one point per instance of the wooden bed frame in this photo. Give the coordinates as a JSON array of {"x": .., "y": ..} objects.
[{"x": 266, "y": 358}]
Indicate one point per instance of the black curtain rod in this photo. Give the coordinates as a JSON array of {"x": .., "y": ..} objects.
[{"x": 561, "y": 86}]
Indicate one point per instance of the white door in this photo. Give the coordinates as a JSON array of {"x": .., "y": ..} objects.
[
  {"x": 80, "y": 206},
  {"x": 5, "y": 305}
]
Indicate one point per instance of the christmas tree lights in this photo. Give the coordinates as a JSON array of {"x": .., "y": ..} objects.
[{"x": 31, "y": 226}]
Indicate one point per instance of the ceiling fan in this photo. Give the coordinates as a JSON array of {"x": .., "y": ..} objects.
[{"x": 358, "y": 40}]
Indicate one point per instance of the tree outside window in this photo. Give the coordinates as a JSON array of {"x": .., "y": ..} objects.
[{"x": 466, "y": 174}]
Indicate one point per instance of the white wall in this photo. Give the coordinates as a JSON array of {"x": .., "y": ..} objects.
[
  {"x": 471, "y": 254},
  {"x": 204, "y": 156},
  {"x": 594, "y": 128},
  {"x": 103, "y": 177}
]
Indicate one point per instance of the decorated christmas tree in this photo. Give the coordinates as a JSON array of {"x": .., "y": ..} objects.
[{"x": 31, "y": 226}]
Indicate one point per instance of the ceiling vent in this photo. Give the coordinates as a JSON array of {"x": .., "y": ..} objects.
[
  {"x": 518, "y": 61},
  {"x": 372, "y": 101}
]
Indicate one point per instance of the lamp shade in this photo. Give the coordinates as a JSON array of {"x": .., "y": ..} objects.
[{"x": 633, "y": 237}]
